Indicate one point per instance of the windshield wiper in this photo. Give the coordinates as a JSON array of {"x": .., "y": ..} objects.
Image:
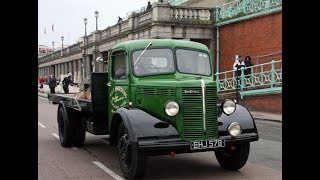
[{"x": 142, "y": 53}]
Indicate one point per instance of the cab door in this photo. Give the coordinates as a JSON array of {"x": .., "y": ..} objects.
[{"x": 119, "y": 87}]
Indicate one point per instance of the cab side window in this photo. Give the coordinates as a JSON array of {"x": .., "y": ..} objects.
[{"x": 119, "y": 66}]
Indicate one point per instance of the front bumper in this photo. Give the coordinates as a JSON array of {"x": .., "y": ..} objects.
[{"x": 156, "y": 146}]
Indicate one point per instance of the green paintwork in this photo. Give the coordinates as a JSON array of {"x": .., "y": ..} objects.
[
  {"x": 239, "y": 10},
  {"x": 150, "y": 93}
]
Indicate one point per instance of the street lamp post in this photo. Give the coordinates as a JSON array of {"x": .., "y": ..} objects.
[
  {"x": 96, "y": 15},
  {"x": 52, "y": 48},
  {"x": 62, "y": 38},
  {"x": 85, "y": 26}
]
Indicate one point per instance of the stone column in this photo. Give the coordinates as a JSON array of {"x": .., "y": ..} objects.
[
  {"x": 56, "y": 70},
  {"x": 66, "y": 69},
  {"x": 79, "y": 70},
  {"x": 74, "y": 70},
  {"x": 94, "y": 62},
  {"x": 87, "y": 66},
  {"x": 62, "y": 65},
  {"x": 100, "y": 65},
  {"x": 70, "y": 66}
]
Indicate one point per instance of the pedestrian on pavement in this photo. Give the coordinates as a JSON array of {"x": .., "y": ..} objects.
[
  {"x": 41, "y": 81},
  {"x": 65, "y": 83},
  {"x": 52, "y": 84},
  {"x": 248, "y": 64}
]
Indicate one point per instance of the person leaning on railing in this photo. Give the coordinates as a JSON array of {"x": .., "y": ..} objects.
[
  {"x": 248, "y": 64},
  {"x": 237, "y": 65}
]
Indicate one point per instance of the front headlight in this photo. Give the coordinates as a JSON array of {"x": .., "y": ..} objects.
[
  {"x": 228, "y": 107},
  {"x": 171, "y": 108},
  {"x": 234, "y": 129}
]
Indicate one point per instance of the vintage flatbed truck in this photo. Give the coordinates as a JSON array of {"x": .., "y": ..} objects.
[{"x": 159, "y": 97}]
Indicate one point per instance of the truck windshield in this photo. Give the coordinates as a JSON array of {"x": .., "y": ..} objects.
[
  {"x": 153, "y": 62},
  {"x": 193, "y": 62}
]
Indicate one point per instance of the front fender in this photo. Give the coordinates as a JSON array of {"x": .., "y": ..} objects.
[
  {"x": 242, "y": 116},
  {"x": 141, "y": 125}
]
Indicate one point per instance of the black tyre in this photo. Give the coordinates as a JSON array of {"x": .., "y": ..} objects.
[
  {"x": 233, "y": 159},
  {"x": 132, "y": 161},
  {"x": 79, "y": 131},
  {"x": 65, "y": 130}
]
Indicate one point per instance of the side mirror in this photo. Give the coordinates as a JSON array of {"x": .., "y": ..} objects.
[{"x": 99, "y": 60}]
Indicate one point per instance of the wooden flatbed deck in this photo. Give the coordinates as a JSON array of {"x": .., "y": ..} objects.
[{"x": 71, "y": 101}]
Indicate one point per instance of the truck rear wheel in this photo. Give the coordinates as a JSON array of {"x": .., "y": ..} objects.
[
  {"x": 64, "y": 126},
  {"x": 233, "y": 159},
  {"x": 132, "y": 161}
]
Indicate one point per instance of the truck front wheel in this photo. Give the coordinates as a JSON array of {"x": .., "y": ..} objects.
[
  {"x": 132, "y": 161},
  {"x": 233, "y": 158},
  {"x": 64, "y": 126}
]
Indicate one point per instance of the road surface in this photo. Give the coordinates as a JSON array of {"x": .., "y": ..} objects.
[{"x": 97, "y": 160}]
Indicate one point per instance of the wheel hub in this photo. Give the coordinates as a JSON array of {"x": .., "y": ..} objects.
[{"x": 124, "y": 147}]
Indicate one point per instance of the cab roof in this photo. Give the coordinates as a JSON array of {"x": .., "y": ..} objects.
[{"x": 142, "y": 43}]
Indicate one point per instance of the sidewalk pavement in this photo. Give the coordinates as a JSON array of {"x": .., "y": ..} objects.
[{"x": 260, "y": 115}]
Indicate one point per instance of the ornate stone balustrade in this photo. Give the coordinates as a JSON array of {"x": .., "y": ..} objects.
[
  {"x": 160, "y": 13},
  {"x": 190, "y": 14}
]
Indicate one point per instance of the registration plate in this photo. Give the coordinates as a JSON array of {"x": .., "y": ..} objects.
[{"x": 215, "y": 143}]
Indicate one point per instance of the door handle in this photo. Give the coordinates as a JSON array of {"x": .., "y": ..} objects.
[{"x": 109, "y": 84}]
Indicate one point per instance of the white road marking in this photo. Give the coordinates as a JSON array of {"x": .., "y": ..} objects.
[
  {"x": 41, "y": 125},
  {"x": 55, "y": 135},
  {"x": 74, "y": 148},
  {"x": 111, "y": 173}
]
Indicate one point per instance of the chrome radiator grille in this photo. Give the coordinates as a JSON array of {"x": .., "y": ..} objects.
[{"x": 192, "y": 113}]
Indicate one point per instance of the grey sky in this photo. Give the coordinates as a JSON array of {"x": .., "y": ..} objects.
[{"x": 67, "y": 17}]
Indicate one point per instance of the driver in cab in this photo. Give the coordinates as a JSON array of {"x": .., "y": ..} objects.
[{"x": 144, "y": 66}]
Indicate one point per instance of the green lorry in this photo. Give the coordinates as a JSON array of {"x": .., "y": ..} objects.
[{"x": 158, "y": 97}]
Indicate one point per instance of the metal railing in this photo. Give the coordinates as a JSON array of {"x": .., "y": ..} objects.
[
  {"x": 266, "y": 75},
  {"x": 239, "y": 8}
]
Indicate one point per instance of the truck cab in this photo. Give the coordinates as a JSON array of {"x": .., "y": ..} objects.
[{"x": 159, "y": 97}]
